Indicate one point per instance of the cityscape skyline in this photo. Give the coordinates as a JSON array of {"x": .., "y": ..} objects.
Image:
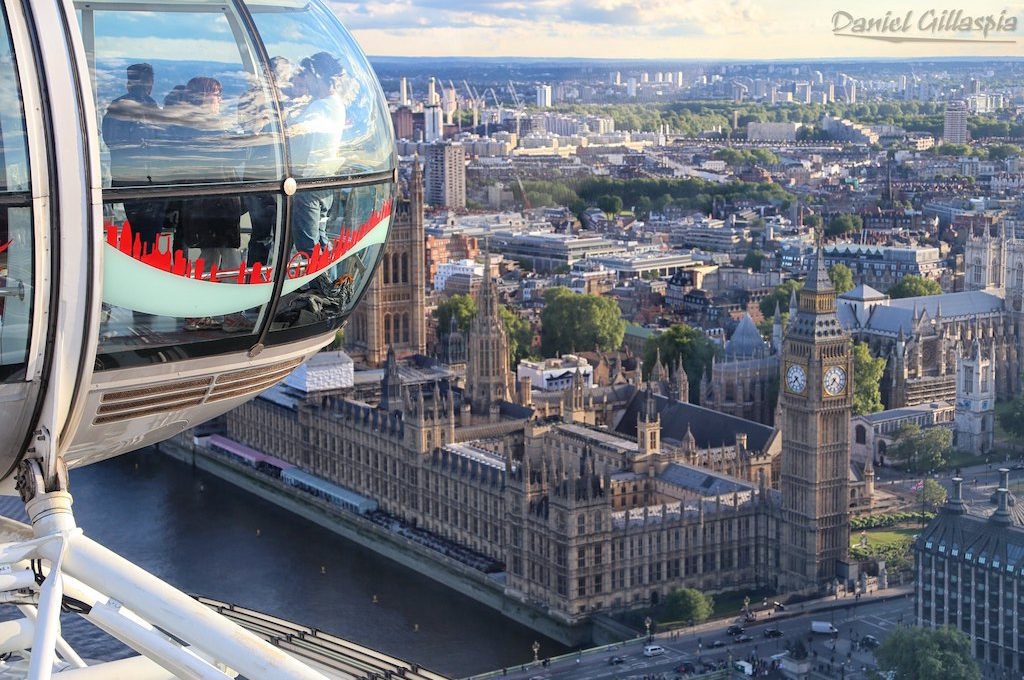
[{"x": 691, "y": 30}]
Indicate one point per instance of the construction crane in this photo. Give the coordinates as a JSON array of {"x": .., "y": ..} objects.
[
  {"x": 522, "y": 192},
  {"x": 497, "y": 104},
  {"x": 515, "y": 95}
]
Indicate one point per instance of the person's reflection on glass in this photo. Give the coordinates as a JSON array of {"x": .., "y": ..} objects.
[
  {"x": 315, "y": 134},
  {"x": 128, "y": 127},
  {"x": 256, "y": 120},
  {"x": 211, "y": 223}
]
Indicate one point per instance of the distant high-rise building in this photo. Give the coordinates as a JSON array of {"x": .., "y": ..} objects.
[
  {"x": 659, "y": 77},
  {"x": 433, "y": 123},
  {"x": 679, "y": 78},
  {"x": 645, "y": 77},
  {"x": 446, "y": 175},
  {"x": 631, "y": 86},
  {"x": 615, "y": 78},
  {"x": 544, "y": 96},
  {"x": 954, "y": 131},
  {"x": 450, "y": 105},
  {"x": 403, "y": 96}
]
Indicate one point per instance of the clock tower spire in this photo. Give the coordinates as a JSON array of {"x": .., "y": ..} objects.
[{"x": 816, "y": 404}]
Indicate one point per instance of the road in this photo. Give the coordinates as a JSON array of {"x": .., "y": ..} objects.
[
  {"x": 876, "y": 617},
  {"x": 980, "y": 481}
]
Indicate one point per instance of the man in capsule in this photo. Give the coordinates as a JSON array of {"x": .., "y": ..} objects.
[{"x": 128, "y": 127}]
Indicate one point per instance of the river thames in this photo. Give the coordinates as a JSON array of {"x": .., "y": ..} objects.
[{"x": 210, "y": 538}]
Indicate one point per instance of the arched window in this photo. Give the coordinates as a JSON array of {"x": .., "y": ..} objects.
[
  {"x": 387, "y": 269},
  {"x": 405, "y": 327},
  {"x": 1018, "y": 279},
  {"x": 977, "y": 270},
  {"x": 387, "y": 326},
  {"x": 405, "y": 267},
  {"x": 861, "y": 434},
  {"x": 395, "y": 273}
]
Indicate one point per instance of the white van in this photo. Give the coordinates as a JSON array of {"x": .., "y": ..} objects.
[
  {"x": 654, "y": 650},
  {"x": 743, "y": 667},
  {"x": 823, "y": 628}
]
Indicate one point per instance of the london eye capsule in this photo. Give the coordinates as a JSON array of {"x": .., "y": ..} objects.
[{"x": 194, "y": 196}]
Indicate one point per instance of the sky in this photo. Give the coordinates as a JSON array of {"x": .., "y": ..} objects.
[{"x": 661, "y": 29}]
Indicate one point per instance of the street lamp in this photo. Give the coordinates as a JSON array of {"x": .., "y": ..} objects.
[
  {"x": 647, "y": 624},
  {"x": 536, "y": 650}
]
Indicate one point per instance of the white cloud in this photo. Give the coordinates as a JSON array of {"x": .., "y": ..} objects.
[{"x": 682, "y": 29}]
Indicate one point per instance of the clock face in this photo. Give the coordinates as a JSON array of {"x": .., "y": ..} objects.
[
  {"x": 796, "y": 379},
  {"x": 834, "y": 381}
]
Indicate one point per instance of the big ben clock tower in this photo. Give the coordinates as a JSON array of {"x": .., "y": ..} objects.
[{"x": 817, "y": 402}]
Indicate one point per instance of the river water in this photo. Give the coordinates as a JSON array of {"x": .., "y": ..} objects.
[{"x": 210, "y": 538}]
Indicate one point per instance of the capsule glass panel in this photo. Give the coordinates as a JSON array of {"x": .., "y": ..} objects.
[
  {"x": 336, "y": 120},
  {"x": 338, "y": 234},
  {"x": 180, "y": 95},
  {"x": 16, "y": 235},
  {"x": 209, "y": 275}
]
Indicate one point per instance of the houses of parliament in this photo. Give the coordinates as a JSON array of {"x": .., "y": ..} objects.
[{"x": 595, "y": 499}]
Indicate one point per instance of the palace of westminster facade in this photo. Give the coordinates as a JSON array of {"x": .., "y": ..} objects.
[{"x": 604, "y": 498}]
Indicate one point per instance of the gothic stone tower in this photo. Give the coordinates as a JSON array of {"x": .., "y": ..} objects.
[
  {"x": 392, "y": 314},
  {"x": 816, "y": 405},
  {"x": 488, "y": 380}
]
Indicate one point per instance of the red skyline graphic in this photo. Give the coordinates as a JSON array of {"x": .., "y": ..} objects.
[{"x": 159, "y": 254}]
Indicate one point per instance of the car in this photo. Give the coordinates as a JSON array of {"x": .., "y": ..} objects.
[
  {"x": 779, "y": 607},
  {"x": 654, "y": 650},
  {"x": 735, "y": 629},
  {"x": 1018, "y": 466},
  {"x": 718, "y": 643},
  {"x": 744, "y": 638},
  {"x": 615, "y": 660},
  {"x": 773, "y": 633},
  {"x": 869, "y": 642},
  {"x": 686, "y": 668}
]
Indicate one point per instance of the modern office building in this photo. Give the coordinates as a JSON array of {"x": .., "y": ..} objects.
[
  {"x": 544, "y": 96},
  {"x": 446, "y": 175},
  {"x": 954, "y": 129}
]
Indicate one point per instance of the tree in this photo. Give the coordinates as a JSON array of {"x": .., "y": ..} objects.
[
  {"x": 687, "y": 342},
  {"x": 753, "y": 260},
  {"x": 779, "y": 295},
  {"x": 812, "y": 221},
  {"x": 843, "y": 224},
  {"x": 572, "y": 321},
  {"x": 842, "y": 278},
  {"x": 867, "y": 376},
  {"x": 520, "y": 335},
  {"x": 921, "y": 450},
  {"x": 933, "y": 494},
  {"x": 1011, "y": 419},
  {"x": 461, "y": 307},
  {"x": 687, "y": 604},
  {"x": 928, "y": 654},
  {"x": 609, "y": 205},
  {"x": 913, "y": 285}
]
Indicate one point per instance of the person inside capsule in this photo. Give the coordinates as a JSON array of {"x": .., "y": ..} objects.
[{"x": 201, "y": 127}]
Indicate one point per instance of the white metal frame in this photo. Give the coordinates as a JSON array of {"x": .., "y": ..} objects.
[{"x": 176, "y": 636}]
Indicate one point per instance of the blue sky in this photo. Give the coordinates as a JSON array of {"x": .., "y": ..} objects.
[{"x": 669, "y": 29}]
